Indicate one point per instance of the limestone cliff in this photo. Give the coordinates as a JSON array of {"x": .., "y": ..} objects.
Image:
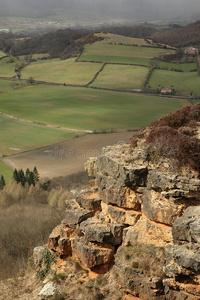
[{"x": 141, "y": 217}]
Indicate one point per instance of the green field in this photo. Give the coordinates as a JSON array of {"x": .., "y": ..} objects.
[
  {"x": 185, "y": 67},
  {"x": 185, "y": 82},
  {"x": 17, "y": 136},
  {"x": 61, "y": 71},
  {"x": 120, "y": 53},
  {"x": 88, "y": 109},
  {"x": 118, "y": 39},
  {"x": 6, "y": 171},
  {"x": 7, "y": 68},
  {"x": 5, "y": 85},
  {"x": 121, "y": 77}
]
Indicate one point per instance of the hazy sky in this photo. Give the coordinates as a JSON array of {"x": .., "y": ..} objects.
[{"x": 146, "y": 8}]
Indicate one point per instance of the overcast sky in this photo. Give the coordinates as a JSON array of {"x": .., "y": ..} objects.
[{"x": 143, "y": 8}]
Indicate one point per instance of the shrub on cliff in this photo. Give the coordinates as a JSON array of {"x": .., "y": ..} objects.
[
  {"x": 187, "y": 116},
  {"x": 173, "y": 137},
  {"x": 168, "y": 142}
]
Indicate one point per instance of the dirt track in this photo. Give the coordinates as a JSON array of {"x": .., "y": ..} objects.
[{"x": 67, "y": 157}]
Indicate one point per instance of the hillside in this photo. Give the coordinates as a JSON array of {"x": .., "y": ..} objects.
[{"x": 179, "y": 37}]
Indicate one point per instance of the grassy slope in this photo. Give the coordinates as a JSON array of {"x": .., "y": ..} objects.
[
  {"x": 85, "y": 108},
  {"x": 66, "y": 71},
  {"x": 120, "y": 53},
  {"x": 6, "y": 171},
  {"x": 5, "y": 85},
  {"x": 121, "y": 77},
  {"x": 8, "y": 69},
  {"x": 185, "y": 81},
  {"x": 16, "y": 134},
  {"x": 115, "y": 38},
  {"x": 184, "y": 67}
]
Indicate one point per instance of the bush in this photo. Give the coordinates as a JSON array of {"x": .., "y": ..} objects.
[
  {"x": 183, "y": 117},
  {"x": 168, "y": 142}
]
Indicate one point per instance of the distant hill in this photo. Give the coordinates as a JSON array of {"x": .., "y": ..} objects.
[{"x": 179, "y": 37}]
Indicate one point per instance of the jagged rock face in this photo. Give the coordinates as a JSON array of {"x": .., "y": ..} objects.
[
  {"x": 131, "y": 202},
  {"x": 184, "y": 255}
]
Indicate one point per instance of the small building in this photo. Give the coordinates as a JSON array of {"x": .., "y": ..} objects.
[
  {"x": 191, "y": 51},
  {"x": 167, "y": 91}
]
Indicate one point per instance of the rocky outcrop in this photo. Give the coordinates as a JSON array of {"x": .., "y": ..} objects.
[{"x": 141, "y": 217}]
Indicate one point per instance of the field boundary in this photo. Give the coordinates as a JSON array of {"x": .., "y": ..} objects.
[
  {"x": 44, "y": 124},
  {"x": 96, "y": 75}
]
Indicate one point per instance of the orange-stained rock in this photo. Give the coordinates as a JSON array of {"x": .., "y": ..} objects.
[
  {"x": 120, "y": 215},
  {"x": 148, "y": 232},
  {"x": 91, "y": 255},
  {"x": 61, "y": 239}
]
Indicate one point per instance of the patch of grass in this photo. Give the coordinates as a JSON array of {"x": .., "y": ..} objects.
[
  {"x": 59, "y": 71},
  {"x": 6, "y": 171},
  {"x": 120, "y": 53},
  {"x": 82, "y": 108},
  {"x": 16, "y": 136},
  {"x": 8, "y": 65},
  {"x": 148, "y": 258},
  {"x": 121, "y": 77},
  {"x": 184, "y": 67},
  {"x": 115, "y": 38},
  {"x": 5, "y": 85},
  {"x": 185, "y": 82}
]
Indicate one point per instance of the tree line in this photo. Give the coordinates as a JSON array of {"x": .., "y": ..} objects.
[{"x": 29, "y": 177}]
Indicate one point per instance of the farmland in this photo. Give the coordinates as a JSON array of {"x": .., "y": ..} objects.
[
  {"x": 58, "y": 71},
  {"x": 89, "y": 93},
  {"x": 184, "y": 82},
  {"x": 21, "y": 136},
  {"x": 121, "y": 77},
  {"x": 6, "y": 171},
  {"x": 111, "y": 53},
  {"x": 5, "y": 85},
  {"x": 86, "y": 109}
]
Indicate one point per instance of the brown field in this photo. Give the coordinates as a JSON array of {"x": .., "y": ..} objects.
[{"x": 67, "y": 157}]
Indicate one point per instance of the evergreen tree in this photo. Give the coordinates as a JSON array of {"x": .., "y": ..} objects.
[
  {"x": 16, "y": 176},
  {"x": 22, "y": 178},
  {"x": 36, "y": 174},
  {"x": 31, "y": 178},
  {"x": 2, "y": 182}
]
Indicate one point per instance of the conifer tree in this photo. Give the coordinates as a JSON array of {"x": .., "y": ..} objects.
[
  {"x": 16, "y": 176},
  {"x": 36, "y": 174},
  {"x": 2, "y": 182},
  {"x": 22, "y": 178},
  {"x": 31, "y": 178}
]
